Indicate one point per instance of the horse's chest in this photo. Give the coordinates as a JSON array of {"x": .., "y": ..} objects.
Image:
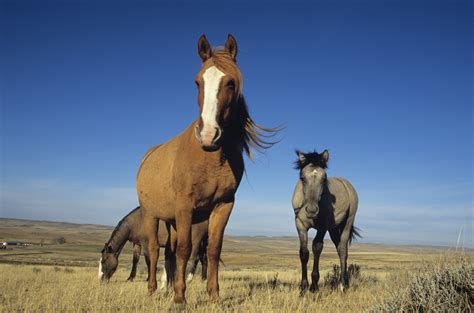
[
  {"x": 208, "y": 186},
  {"x": 209, "y": 192}
]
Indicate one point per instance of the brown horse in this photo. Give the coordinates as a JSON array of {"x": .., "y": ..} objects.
[{"x": 195, "y": 175}]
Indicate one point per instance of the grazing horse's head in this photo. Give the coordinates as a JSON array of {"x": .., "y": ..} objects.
[
  {"x": 108, "y": 263},
  {"x": 219, "y": 84},
  {"x": 313, "y": 176}
]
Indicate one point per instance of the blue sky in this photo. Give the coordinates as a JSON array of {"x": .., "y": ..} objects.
[{"x": 386, "y": 86}]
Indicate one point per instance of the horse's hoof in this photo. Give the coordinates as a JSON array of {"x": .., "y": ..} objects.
[
  {"x": 179, "y": 301},
  {"x": 151, "y": 290},
  {"x": 342, "y": 288},
  {"x": 303, "y": 287},
  {"x": 130, "y": 279},
  {"x": 214, "y": 299},
  {"x": 314, "y": 288},
  {"x": 178, "y": 307}
]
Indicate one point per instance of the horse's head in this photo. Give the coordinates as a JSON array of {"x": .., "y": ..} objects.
[
  {"x": 313, "y": 176},
  {"x": 108, "y": 263},
  {"x": 219, "y": 84}
]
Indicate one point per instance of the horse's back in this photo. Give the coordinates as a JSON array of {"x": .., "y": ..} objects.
[{"x": 343, "y": 197}]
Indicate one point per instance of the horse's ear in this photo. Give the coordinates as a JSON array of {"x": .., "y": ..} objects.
[
  {"x": 301, "y": 156},
  {"x": 204, "y": 48},
  {"x": 326, "y": 156},
  {"x": 231, "y": 46}
]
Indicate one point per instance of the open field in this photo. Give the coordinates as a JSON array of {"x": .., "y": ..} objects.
[{"x": 260, "y": 274}]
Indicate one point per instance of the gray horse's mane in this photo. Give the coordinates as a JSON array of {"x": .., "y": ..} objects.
[{"x": 314, "y": 158}]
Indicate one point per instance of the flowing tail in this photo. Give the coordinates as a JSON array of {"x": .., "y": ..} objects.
[{"x": 355, "y": 233}]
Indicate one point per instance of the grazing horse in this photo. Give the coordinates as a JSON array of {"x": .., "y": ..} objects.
[
  {"x": 130, "y": 228},
  {"x": 325, "y": 204},
  {"x": 195, "y": 175}
]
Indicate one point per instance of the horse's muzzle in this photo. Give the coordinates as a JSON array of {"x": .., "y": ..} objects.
[{"x": 208, "y": 139}]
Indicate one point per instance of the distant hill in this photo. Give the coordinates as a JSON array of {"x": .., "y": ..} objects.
[{"x": 46, "y": 231}]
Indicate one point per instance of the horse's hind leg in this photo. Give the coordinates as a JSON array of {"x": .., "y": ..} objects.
[
  {"x": 151, "y": 229},
  {"x": 167, "y": 279},
  {"x": 342, "y": 250},
  {"x": 194, "y": 261},
  {"x": 147, "y": 261},
  {"x": 304, "y": 255},
  {"x": 318, "y": 244},
  {"x": 137, "y": 250},
  {"x": 203, "y": 257}
]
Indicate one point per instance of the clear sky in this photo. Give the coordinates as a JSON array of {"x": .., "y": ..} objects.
[{"x": 386, "y": 86}]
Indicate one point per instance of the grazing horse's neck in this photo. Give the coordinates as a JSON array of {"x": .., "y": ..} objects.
[{"x": 119, "y": 237}]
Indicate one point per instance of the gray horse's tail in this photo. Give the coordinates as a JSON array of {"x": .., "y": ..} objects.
[{"x": 355, "y": 233}]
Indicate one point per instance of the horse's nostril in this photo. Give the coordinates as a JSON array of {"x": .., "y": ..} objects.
[{"x": 218, "y": 134}]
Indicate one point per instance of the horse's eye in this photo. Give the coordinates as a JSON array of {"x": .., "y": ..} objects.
[
  {"x": 231, "y": 84},
  {"x": 197, "y": 83}
]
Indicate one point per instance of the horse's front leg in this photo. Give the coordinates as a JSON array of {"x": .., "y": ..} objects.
[
  {"x": 137, "y": 250},
  {"x": 217, "y": 222},
  {"x": 151, "y": 229},
  {"x": 183, "y": 250},
  {"x": 304, "y": 254},
  {"x": 318, "y": 244}
]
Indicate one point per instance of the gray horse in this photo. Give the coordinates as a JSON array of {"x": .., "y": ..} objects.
[{"x": 326, "y": 204}]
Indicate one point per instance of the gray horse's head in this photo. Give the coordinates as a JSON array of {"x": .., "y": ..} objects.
[
  {"x": 108, "y": 263},
  {"x": 312, "y": 167}
]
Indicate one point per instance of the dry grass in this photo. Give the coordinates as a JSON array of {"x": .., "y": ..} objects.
[
  {"x": 446, "y": 286},
  {"x": 27, "y": 288},
  {"x": 33, "y": 289},
  {"x": 261, "y": 275}
]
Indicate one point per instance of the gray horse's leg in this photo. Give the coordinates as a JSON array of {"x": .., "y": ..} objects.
[
  {"x": 336, "y": 239},
  {"x": 318, "y": 243},
  {"x": 342, "y": 250},
  {"x": 137, "y": 250},
  {"x": 304, "y": 255}
]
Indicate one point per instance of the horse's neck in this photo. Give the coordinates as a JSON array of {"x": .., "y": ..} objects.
[
  {"x": 119, "y": 237},
  {"x": 230, "y": 151}
]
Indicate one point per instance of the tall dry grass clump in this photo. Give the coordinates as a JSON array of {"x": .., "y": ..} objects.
[{"x": 436, "y": 287}]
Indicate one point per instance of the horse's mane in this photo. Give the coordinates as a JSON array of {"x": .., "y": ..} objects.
[
  {"x": 116, "y": 229},
  {"x": 251, "y": 135},
  {"x": 310, "y": 158}
]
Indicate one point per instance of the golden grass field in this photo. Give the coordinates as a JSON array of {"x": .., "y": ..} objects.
[{"x": 261, "y": 274}]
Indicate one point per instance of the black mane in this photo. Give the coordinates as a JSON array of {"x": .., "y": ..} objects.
[
  {"x": 314, "y": 158},
  {"x": 120, "y": 224}
]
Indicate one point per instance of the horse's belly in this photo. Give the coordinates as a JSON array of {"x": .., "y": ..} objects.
[{"x": 154, "y": 189}]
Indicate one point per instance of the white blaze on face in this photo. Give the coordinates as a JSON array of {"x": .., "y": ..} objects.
[
  {"x": 100, "y": 269},
  {"x": 212, "y": 79}
]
